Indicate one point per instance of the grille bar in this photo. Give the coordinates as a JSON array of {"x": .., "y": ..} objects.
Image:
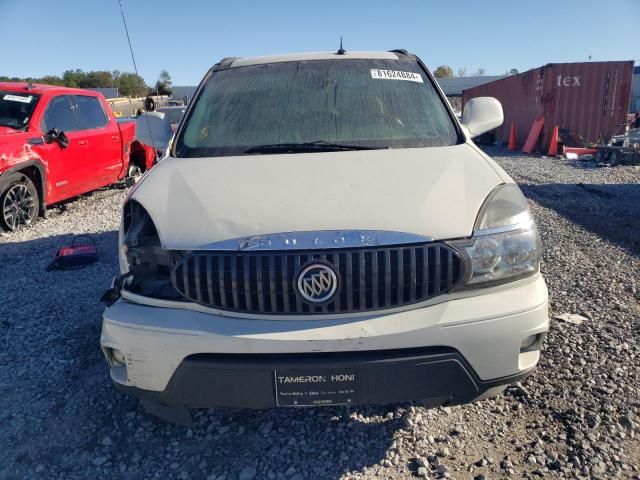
[{"x": 368, "y": 278}]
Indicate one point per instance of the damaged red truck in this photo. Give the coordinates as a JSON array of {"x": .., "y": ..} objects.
[{"x": 57, "y": 143}]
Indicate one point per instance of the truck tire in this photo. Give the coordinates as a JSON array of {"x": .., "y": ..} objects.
[{"x": 19, "y": 202}]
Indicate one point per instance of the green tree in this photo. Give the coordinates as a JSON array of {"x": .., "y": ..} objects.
[
  {"x": 163, "y": 85},
  {"x": 73, "y": 78},
  {"x": 514, "y": 71},
  {"x": 50, "y": 80},
  {"x": 443, "y": 71},
  {"x": 132, "y": 85},
  {"x": 99, "y": 79}
]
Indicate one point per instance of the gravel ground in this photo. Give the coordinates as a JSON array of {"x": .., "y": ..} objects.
[{"x": 576, "y": 417}]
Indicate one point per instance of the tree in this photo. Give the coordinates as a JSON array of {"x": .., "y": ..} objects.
[
  {"x": 132, "y": 85},
  {"x": 443, "y": 71},
  {"x": 480, "y": 72},
  {"x": 50, "y": 80},
  {"x": 163, "y": 85},
  {"x": 127, "y": 83},
  {"x": 462, "y": 72},
  {"x": 514, "y": 71},
  {"x": 99, "y": 79},
  {"x": 73, "y": 78},
  {"x": 165, "y": 78}
]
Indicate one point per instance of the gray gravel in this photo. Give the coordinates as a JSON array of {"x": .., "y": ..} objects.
[{"x": 576, "y": 417}]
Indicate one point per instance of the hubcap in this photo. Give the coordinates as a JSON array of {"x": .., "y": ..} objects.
[
  {"x": 134, "y": 171},
  {"x": 19, "y": 206}
]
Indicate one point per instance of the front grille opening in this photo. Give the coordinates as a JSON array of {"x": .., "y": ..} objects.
[{"x": 368, "y": 278}]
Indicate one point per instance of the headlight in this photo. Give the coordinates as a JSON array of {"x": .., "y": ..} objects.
[{"x": 505, "y": 245}]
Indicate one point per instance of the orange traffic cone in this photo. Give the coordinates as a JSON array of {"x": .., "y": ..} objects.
[
  {"x": 512, "y": 138},
  {"x": 553, "y": 145}
]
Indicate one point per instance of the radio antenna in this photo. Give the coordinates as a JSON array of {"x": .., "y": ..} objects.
[{"x": 135, "y": 68}]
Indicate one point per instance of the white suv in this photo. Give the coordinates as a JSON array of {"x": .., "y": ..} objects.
[{"x": 323, "y": 231}]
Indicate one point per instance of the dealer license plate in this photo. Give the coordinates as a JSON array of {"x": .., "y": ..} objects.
[{"x": 318, "y": 386}]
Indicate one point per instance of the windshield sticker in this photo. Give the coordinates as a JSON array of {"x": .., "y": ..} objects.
[
  {"x": 396, "y": 75},
  {"x": 18, "y": 98}
]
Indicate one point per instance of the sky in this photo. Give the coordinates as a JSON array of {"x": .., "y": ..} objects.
[{"x": 187, "y": 37}]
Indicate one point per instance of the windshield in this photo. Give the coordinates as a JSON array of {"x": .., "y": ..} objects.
[
  {"x": 366, "y": 103},
  {"x": 16, "y": 108}
]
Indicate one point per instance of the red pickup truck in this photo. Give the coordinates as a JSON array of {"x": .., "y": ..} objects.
[{"x": 57, "y": 143}]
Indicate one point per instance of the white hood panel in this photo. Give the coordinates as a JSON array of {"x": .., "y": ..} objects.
[{"x": 435, "y": 192}]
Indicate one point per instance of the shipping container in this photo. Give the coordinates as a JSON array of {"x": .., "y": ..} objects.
[{"x": 590, "y": 99}]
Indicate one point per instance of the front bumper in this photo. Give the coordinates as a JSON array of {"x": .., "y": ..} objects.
[
  {"x": 457, "y": 349},
  {"x": 439, "y": 375}
]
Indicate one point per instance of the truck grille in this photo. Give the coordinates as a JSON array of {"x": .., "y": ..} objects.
[{"x": 368, "y": 278}]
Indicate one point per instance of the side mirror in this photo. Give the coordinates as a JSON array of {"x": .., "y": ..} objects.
[
  {"x": 154, "y": 130},
  {"x": 482, "y": 114},
  {"x": 55, "y": 135}
]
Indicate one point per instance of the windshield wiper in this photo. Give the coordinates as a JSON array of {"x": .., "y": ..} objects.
[{"x": 310, "y": 147}]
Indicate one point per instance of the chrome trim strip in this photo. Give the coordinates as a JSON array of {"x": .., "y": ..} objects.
[
  {"x": 321, "y": 239},
  {"x": 135, "y": 299},
  {"x": 504, "y": 228}
]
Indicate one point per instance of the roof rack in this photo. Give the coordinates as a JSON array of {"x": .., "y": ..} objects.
[
  {"x": 401, "y": 52},
  {"x": 224, "y": 63}
]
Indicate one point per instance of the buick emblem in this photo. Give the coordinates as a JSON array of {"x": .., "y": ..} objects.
[{"x": 317, "y": 283}]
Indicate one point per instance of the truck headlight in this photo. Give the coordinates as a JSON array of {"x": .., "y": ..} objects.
[{"x": 505, "y": 245}]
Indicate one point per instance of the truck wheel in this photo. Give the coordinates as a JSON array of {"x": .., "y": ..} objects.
[{"x": 19, "y": 202}]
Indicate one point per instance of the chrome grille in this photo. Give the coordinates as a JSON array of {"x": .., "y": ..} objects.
[{"x": 368, "y": 278}]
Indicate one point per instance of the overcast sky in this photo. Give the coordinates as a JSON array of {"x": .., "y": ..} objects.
[{"x": 186, "y": 37}]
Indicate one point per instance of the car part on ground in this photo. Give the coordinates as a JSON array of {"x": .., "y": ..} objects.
[{"x": 76, "y": 255}]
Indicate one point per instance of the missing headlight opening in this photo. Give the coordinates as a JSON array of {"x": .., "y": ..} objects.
[{"x": 149, "y": 264}]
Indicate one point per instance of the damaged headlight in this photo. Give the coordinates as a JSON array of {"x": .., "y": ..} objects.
[
  {"x": 144, "y": 261},
  {"x": 505, "y": 245}
]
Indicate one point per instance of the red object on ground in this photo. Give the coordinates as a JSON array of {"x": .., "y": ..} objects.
[
  {"x": 579, "y": 151},
  {"x": 512, "y": 137},
  {"x": 590, "y": 99},
  {"x": 534, "y": 134},
  {"x": 74, "y": 256},
  {"x": 553, "y": 146},
  {"x": 99, "y": 148}
]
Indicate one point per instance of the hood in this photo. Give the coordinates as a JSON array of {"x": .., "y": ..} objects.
[
  {"x": 8, "y": 130},
  {"x": 435, "y": 192}
]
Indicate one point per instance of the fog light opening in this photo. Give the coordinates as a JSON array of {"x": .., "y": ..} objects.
[
  {"x": 118, "y": 357},
  {"x": 532, "y": 342}
]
